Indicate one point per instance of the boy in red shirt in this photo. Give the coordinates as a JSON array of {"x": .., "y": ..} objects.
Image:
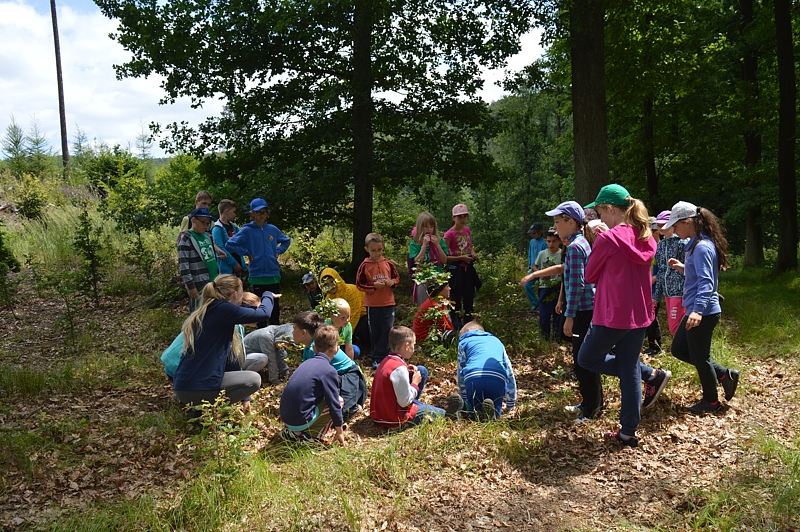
[
  {"x": 397, "y": 385},
  {"x": 377, "y": 278}
]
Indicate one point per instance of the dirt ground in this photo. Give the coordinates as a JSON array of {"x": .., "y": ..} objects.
[{"x": 572, "y": 480}]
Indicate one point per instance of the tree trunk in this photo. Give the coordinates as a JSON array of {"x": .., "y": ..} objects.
[
  {"x": 650, "y": 152},
  {"x": 61, "y": 108},
  {"x": 363, "y": 142},
  {"x": 787, "y": 117},
  {"x": 587, "y": 28},
  {"x": 754, "y": 241}
]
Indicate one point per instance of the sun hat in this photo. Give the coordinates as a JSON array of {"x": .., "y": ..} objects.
[
  {"x": 258, "y": 204},
  {"x": 610, "y": 195},
  {"x": 201, "y": 212},
  {"x": 460, "y": 209},
  {"x": 535, "y": 228},
  {"x": 307, "y": 278},
  {"x": 681, "y": 211},
  {"x": 571, "y": 209}
]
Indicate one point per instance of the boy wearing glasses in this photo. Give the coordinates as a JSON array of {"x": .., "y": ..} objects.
[{"x": 197, "y": 260}]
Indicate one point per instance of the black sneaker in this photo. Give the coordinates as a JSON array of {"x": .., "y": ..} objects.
[
  {"x": 653, "y": 350},
  {"x": 703, "y": 406},
  {"x": 630, "y": 441},
  {"x": 295, "y": 437},
  {"x": 729, "y": 383},
  {"x": 454, "y": 406},
  {"x": 489, "y": 411},
  {"x": 653, "y": 387}
]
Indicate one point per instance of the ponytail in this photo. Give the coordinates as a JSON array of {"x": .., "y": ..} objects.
[
  {"x": 220, "y": 289},
  {"x": 706, "y": 222},
  {"x": 637, "y": 216}
]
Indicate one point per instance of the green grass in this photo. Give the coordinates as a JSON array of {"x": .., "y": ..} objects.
[{"x": 766, "y": 312}]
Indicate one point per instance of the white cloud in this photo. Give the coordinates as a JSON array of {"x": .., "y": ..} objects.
[{"x": 105, "y": 108}]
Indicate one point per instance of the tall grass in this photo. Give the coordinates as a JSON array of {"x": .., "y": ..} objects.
[{"x": 766, "y": 311}]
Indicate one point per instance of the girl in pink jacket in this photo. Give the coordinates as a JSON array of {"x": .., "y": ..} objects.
[{"x": 619, "y": 267}]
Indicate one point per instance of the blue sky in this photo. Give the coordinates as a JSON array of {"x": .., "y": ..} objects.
[{"x": 106, "y": 109}]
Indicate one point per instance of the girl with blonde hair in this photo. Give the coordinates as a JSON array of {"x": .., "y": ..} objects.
[
  {"x": 209, "y": 336},
  {"x": 619, "y": 267},
  {"x": 427, "y": 247}
]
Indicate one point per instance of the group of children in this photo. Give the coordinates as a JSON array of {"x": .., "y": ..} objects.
[{"x": 598, "y": 291}]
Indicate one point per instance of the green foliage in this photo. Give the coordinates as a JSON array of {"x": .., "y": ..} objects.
[
  {"x": 223, "y": 439},
  {"x": 62, "y": 280},
  {"x": 8, "y": 264},
  {"x": 31, "y": 197},
  {"x": 104, "y": 167},
  {"x": 89, "y": 244},
  {"x": 28, "y": 153},
  {"x": 327, "y": 308},
  {"x": 175, "y": 187}
]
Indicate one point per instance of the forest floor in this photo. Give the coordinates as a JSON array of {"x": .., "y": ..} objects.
[{"x": 99, "y": 426}]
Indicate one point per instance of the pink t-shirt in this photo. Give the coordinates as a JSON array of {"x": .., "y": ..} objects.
[
  {"x": 459, "y": 242},
  {"x": 619, "y": 267}
]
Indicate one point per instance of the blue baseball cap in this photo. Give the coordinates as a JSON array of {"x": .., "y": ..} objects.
[
  {"x": 258, "y": 204},
  {"x": 201, "y": 213},
  {"x": 571, "y": 209}
]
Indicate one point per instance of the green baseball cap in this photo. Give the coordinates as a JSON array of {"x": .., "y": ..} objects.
[{"x": 610, "y": 195}]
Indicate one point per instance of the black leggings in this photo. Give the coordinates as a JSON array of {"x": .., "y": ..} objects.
[
  {"x": 589, "y": 382},
  {"x": 694, "y": 346},
  {"x": 275, "y": 317}
]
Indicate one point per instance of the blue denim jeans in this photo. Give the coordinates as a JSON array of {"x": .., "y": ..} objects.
[
  {"x": 424, "y": 410},
  {"x": 627, "y": 343}
]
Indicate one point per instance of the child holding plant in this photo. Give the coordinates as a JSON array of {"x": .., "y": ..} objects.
[
  {"x": 438, "y": 305},
  {"x": 427, "y": 247}
]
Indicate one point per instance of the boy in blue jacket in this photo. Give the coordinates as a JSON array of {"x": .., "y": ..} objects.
[
  {"x": 485, "y": 375},
  {"x": 262, "y": 242},
  {"x": 310, "y": 403}
]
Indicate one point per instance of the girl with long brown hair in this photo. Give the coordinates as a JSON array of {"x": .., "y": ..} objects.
[{"x": 706, "y": 255}]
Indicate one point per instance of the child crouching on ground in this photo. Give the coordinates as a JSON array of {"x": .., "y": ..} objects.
[
  {"x": 353, "y": 386},
  {"x": 310, "y": 403},
  {"x": 439, "y": 301},
  {"x": 485, "y": 375},
  {"x": 397, "y": 386}
]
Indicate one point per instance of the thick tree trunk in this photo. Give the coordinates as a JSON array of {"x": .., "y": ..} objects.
[
  {"x": 787, "y": 184},
  {"x": 61, "y": 108},
  {"x": 754, "y": 242},
  {"x": 650, "y": 153},
  {"x": 587, "y": 27},
  {"x": 362, "y": 129}
]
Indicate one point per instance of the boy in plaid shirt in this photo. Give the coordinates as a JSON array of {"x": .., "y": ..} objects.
[{"x": 579, "y": 302}]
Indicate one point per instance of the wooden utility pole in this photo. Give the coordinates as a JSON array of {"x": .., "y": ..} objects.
[{"x": 61, "y": 108}]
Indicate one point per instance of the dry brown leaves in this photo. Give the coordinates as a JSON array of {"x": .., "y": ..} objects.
[{"x": 572, "y": 479}]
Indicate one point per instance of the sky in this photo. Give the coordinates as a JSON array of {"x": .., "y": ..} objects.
[{"x": 106, "y": 109}]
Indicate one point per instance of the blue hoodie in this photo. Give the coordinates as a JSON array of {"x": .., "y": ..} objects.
[
  {"x": 700, "y": 291},
  {"x": 481, "y": 354},
  {"x": 262, "y": 245}
]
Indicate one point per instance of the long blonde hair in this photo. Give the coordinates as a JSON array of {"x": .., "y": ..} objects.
[
  {"x": 425, "y": 218},
  {"x": 220, "y": 289},
  {"x": 636, "y": 215}
]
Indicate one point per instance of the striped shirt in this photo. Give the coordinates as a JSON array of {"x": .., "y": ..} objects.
[{"x": 579, "y": 294}]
